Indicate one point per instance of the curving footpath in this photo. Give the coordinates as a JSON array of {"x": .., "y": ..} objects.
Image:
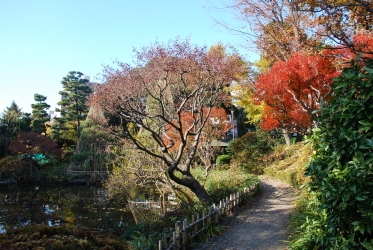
[{"x": 262, "y": 225}]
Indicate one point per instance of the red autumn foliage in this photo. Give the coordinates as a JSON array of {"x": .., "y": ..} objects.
[
  {"x": 364, "y": 43},
  {"x": 216, "y": 127},
  {"x": 293, "y": 90},
  {"x": 31, "y": 143}
]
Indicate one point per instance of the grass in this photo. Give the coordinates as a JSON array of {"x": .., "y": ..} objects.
[
  {"x": 289, "y": 163},
  {"x": 222, "y": 182}
]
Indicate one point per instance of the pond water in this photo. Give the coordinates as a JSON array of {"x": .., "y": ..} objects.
[{"x": 86, "y": 207}]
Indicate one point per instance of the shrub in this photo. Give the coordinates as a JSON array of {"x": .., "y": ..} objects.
[
  {"x": 223, "y": 159},
  {"x": 14, "y": 167},
  {"x": 44, "y": 237},
  {"x": 342, "y": 169},
  {"x": 249, "y": 150}
]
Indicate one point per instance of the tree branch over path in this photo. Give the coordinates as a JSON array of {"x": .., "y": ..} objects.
[{"x": 168, "y": 82}]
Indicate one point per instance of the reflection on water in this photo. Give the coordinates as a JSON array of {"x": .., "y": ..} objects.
[{"x": 86, "y": 207}]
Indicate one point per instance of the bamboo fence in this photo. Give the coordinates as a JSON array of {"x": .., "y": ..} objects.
[{"x": 183, "y": 232}]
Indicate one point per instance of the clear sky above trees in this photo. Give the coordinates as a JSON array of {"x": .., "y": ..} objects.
[{"x": 42, "y": 40}]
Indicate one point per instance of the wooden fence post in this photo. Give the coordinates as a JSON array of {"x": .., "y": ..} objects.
[
  {"x": 209, "y": 219},
  {"x": 234, "y": 201},
  {"x": 174, "y": 239},
  {"x": 220, "y": 207},
  {"x": 165, "y": 241},
  {"x": 227, "y": 205},
  {"x": 185, "y": 223},
  {"x": 193, "y": 220},
  {"x": 215, "y": 211},
  {"x": 203, "y": 218},
  {"x": 196, "y": 226}
]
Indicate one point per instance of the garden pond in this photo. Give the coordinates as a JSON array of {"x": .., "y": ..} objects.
[{"x": 88, "y": 207}]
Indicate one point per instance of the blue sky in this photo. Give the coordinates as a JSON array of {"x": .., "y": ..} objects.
[{"x": 41, "y": 41}]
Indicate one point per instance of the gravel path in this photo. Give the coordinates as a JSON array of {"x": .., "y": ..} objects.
[{"x": 262, "y": 225}]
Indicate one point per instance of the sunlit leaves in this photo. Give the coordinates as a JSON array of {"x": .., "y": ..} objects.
[
  {"x": 167, "y": 96},
  {"x": 254, "y": 108},
  {"x": 341, "y": 171},
  {"x": 364, "y": 43},
  {"x": 218, "y": 124},
  {"x": 293, "y": 90},
  {"x": 340, "y": 20}
]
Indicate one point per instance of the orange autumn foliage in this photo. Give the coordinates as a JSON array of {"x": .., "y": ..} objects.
[
  {"x": 217, "y": 126},
  {"x": 293, "y": 90}
]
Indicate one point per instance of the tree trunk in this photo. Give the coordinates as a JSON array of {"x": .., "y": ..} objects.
[
  {"x": 201, "y": 193},
  {"x": 287, "y": 137},
  {"x": 188, "y": 181}
]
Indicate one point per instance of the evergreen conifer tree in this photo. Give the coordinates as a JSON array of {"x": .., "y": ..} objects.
[
  {"x": 73, "y": 106},
  {"x": 39, "y": 114}
]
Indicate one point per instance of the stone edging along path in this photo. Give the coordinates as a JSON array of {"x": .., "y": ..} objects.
[{"x": 262, "y": 225}]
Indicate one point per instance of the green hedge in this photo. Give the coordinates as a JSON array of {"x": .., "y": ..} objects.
[
  {"x": 340, "y": 211},
  {"x": 223, "y": 159}
]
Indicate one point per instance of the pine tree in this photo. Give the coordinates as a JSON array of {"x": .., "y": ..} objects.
[
  {"x": 74, "y": 108},
  {"x": 39, "y": 114}
]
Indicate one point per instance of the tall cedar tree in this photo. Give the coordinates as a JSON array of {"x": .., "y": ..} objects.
[
  {"x": 74, "y": 108},
  {"x": 39, "y": 116},
  {"x": 168, "y": 82}
]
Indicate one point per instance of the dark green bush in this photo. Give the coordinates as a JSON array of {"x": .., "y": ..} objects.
[
  {"x": 223, "y": 159},
  {"x": 341, "y": 209},
  {"x": 249, "y": 150}
]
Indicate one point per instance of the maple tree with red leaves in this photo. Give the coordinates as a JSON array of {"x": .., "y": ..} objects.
[
  {"x": 29, "y": 144},
  {"x": 218, "y": 125},
  {"x": 293, "y": 90},
  {"x": 363, "y": 42},
  {"x": 168, "y": 83},
  {"x": 216, "y": 128}
]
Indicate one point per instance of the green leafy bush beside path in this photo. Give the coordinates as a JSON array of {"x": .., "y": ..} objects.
[{"x": 339, "y": 214}]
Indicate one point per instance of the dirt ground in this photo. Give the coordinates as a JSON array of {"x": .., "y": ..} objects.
[{"x": 261, "y": 225}]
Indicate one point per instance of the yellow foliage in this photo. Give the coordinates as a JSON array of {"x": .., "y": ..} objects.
[
  {"x": 263, "y": 64},
  {"x": 218, "y": 48},
  {"x": 254, "y": 111}
]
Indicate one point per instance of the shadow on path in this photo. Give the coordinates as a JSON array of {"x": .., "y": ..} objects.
[{"x": 262, "y": 225}]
